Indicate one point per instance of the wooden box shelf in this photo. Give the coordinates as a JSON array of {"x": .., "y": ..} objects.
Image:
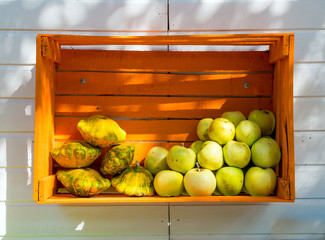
[{"x": 158, "y": 97}]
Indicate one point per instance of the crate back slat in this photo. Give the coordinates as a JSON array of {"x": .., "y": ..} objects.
[
  {"x": 103, "y": 83},
  {"x": 164, "y": 61}
]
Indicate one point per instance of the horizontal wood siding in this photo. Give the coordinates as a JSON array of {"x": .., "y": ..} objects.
[{"x": 21, "y": 21}]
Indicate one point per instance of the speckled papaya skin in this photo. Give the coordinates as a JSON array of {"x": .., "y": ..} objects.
[
  {"x": 117, "y": 159},
  {"x": 101, "y": 131},
  {"x": 83, "y": 182},
  {"x": 75, "y": 154},
  {"x": 134, "y": 181}
]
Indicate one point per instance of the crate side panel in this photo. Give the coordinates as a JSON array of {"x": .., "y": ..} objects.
[
  {"x": 164, "y": 61},
  {"x": 164, "y": 84},
  {"x": 156, "y": 107}
]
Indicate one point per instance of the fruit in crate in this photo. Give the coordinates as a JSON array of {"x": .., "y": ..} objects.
[
  {"x": 168, "y": 183},
  {"x": 117, "y": 158},
  {"x": 197, "y": 146},
  {"x": 260, "y": 181},
  {"x": 101, "y": 131},
  {"x": 221, "y": 131},
  {"x": 156, "y": 160},
  {"x": 248, "y": 132},
  {"x": 210, "y": 156},
  {"x": 181, "y": 159},
  {"x": 200, "y": 182},
  {"x": 75, "y": 154},
  {"x": 237, "y": 154},
  {"x": 234, "y": 116},
  {"x": 83, "y": 182},
  {"x": 265, "y": 120},
  {"x": 266, "y": 153},
  {"x": 202, "y": 129},
  {"x": 230, "y": 180},
  {"x": 134, "y": 181}
]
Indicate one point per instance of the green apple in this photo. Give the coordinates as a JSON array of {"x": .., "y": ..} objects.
[
  {"x": 210, "y": 156},
  {"x": 259, "y": 181},
  {"x": 200, "y": 182},
  {"x": 236, "y": 154},
  {"x": 248, "y": 132},
  {"x": 266, "y": 153},
  {"x": 202, "y": 128},
  {"x": 265, "y": 119},
  {"x": 234, "y": 116},
  {"x": 221, "y": 131},
  {"x": 168, "y": 183},
  {"x": 181, "y": 159},
  {"x": 230, "y": 180},
  {"x": 156, "y": 160},
  {"x": 196, "y": 146}
]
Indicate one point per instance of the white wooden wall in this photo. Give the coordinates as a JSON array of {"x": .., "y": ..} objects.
[{"x": 22, "y": 20}]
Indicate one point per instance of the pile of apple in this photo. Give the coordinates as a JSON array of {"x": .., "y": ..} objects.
[{"x": 233, "y": 155}]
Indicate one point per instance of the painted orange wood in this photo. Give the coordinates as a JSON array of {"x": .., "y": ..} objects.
[
  {"x": 104, "y": 83},
  {"x": 164, "y": 61},
  {"x": 158, "y": 97},
  {"x": 118, "y": 198},
  {"x": 156, "y": 107},
  {"x": 220, "y": 39},
  {"x": 137, "y": 130}
]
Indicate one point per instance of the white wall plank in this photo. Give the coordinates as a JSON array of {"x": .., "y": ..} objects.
[
  {"x": 17, "y": 115},
  {"x": 17, "y": 81},
  {"x": 243, "y": 15},
  {"x": 309, "y": 113},
  {"x": 25, "y": 219},
  {"x": 16, "y": 184},
  {"x": 124, "y": 15},
  {"x": 19, "y": 47},
  {"x": 16, "y": 149},
  {"x": 303, "y": 216},
  {"x": 309, "y": 79},
  {"x": 309, "y": 148}
]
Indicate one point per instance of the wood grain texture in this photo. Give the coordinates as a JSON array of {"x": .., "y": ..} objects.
[
  {"x": 163, "y": 84},
  {"x": 138, "y": 107},
  {"x": 163, "y": 61}
]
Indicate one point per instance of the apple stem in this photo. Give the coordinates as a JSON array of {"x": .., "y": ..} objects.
[{"x": 198, "y": 167}]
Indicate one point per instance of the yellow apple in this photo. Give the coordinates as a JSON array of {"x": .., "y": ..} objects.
[
  {"x": 230, "y": 180},
  {"x": 203, "y": 128},
  {"x": 265, "y": 119},
  {"x": 221, "y": 131},
  {"x": 181, "y": 159},
  {"x": 156, "y": 160},
  {"x": 259, "y": 181},
  {"x": 266, "y": 153},
  {"x": 237, "y": 154},
  {"x": 248, "y": 132},
  {"x": 210, "y": 156},
  {"x": 168, "y": 183},
  {"x": 234, "y": 116},
  {"x": 199, "y": 182}
]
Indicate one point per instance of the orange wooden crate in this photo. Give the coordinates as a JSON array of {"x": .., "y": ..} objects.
[{"x": 158, "y": 97}]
